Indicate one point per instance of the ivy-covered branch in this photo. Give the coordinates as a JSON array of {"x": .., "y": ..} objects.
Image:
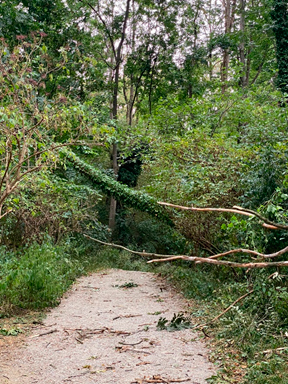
[{"x": 120, "y": 192}]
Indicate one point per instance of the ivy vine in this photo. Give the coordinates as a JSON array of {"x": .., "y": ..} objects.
[{"x": 129, "y": 197}]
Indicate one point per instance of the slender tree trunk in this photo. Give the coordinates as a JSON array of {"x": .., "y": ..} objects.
[
  {"x": 114, "y": 151},
  {"x": 118, "y": 59},
  {"x": 229, "y": 13},
  {"x": 243, "y": 76}
]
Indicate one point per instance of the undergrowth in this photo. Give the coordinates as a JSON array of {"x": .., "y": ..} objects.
[{"x": 35, "y": 277}]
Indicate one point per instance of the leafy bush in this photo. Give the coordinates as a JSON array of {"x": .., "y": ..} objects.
[{"x": 37, "y": 278}]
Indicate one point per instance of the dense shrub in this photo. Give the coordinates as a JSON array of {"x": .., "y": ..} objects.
[{"x": 36, "y": 278}]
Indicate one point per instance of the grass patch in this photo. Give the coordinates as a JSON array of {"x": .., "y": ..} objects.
[{"x": 36, "y": 278}]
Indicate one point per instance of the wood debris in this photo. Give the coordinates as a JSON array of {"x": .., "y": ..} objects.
[
  {"x": 127, "y": 348},
  {"x": 159, "y": 379},
  {"x": 45, "y": 333}
]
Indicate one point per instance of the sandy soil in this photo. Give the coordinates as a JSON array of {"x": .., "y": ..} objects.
[{"x": 104, "y": 333}]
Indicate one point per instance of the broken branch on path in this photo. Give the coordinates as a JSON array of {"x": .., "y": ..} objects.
[
  {"x": 160, "y": 380},
  {"x": 45, "y": 333},
  {"x": 209, "y": 260},
  {"x": 126, "y": 348},
  {"x": 139, "y": 342}
]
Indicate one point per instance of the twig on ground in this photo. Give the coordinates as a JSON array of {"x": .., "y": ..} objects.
[
  {"x": 226, "y": 310},
  {"x": 127, "y": 349},
  {"x": 139, "y": 342},
  {"x": 231, "y": 306},
  {"x": 45, "y": 333},
  {"x": 125, "y": 316},
  {"x": 272, "y": 350},
  {"x": 159, "y": 379}
]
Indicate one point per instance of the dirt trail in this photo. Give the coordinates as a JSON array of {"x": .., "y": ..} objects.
[{"x": 103, "y": 333}]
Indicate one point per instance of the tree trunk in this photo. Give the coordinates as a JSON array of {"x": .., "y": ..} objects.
[
  {"x": 243, "y": 75},
  {"x": 229, "y": 13},
  {"x": 118, "y": 59},
  {"x": 114, "y": 152}
]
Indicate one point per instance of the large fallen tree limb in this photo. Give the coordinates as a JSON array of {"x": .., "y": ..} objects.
[
  {"x": 203, "y": 260},
  {"x": 235, "y": 209},
  {"x": 200, "y": 260},
  {"x": 250, "y": 252}
]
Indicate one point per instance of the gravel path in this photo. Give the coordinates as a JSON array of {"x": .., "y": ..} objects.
[{"x": 104, "y": 333}]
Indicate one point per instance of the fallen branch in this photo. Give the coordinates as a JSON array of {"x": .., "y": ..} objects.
[
  {"x": 209, "y": 260},
  {"x": 126, "y": 348},
  {"x": 225, "y": 263},
  {"x": 235, "y": 209},
  {"x": 272, "y": 350},
  {"x": 231, "y": 306},
  {"x": 160, "y": 379},
  {"x": 45, "y": 333},
  {"x": 132, "y": 344},
  {"x": 254, "y": 253},
  {"x": 145, "y": 254}
]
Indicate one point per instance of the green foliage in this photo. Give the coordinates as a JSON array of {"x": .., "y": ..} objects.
[
  {"x": 131, "y": 284},
  {"x": 48, "y": 204},
  {"x": 111, "y": 187},
  {"x": 280, "y": 27},
  {"x": 37, "y": 278},
  {"x": 178, "y": 322},
  {"x": 139, "y": 231}
]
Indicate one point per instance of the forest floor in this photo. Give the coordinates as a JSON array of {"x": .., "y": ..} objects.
[{"x": 105, "y": 331}]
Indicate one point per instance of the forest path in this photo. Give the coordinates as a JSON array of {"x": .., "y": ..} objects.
[{"x": 104, "y": 333}]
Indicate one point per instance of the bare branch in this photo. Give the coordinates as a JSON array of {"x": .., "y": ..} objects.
[
  {"x": 223, "y": 262},
  {"x": 145, "y": 254},
  {"x": 231, "y": 306},
  {"x": 8, "y": 161},
  {"x": 200, "y": 260},
  {"x": 250, "y": 252},
  {"x": 184, "y": 208},
  {"x": 4, "y": 214},
  {"x": 235, "y": 209},
  {"x": 97, "y": 13},
  {"x": 118, "y": 57},
  {"x": 244, "y": 210}
]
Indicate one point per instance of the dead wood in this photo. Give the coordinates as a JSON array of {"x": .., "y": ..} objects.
[
  {"x": 226, "y": 310},
  {"x": 235, "y": 209},
  {"x": 268, "y": 351},
  {"x": 231, "y": 306},
  {"x": 45, "y": 333},
  {"x": 126, "y": 348},
  {"x": 211, "y": 259},
  {"x": 145, "y": 254},
  {"x": 139, "y": 342},
  {"x": 223, "y": 262},
  {"x": 159, "y": 379}
]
